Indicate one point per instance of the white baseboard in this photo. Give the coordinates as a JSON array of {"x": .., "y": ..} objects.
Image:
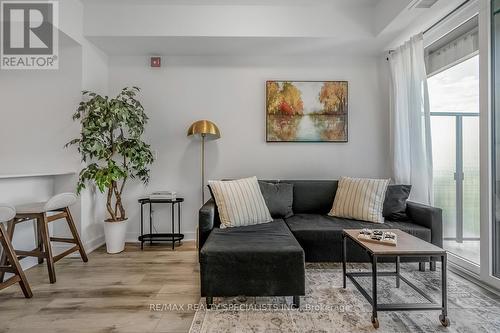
[
  {"x": 94, "y": 244},
  {"x": 58, "y": 248},
  {"x": 89, "y": 246},
  {"x": 28, "y": 262},
  {"x": 97, "y": 242}
]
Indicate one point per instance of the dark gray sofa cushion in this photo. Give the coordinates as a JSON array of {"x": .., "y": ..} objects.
[
  {"x": 312, "y": 196},
  {"x": 256, "y": 260},
  {"x": 321, "y": 235},
  {"x": 278, "y": 198},
  {"x": 395, "y": 202}
]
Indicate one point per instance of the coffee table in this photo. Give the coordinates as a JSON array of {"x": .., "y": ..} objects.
[{"x": 407, "y": 246}]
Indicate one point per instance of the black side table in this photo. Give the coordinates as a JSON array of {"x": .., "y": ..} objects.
[{"x": 161, "y": 237}]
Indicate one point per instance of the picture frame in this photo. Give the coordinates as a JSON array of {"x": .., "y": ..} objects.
[{"x": 307, "y": 111}]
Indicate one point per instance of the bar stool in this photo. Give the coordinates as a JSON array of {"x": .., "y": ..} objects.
[
  {"x": 7, "y": 213},
  {"x": 58, "y": 204}
]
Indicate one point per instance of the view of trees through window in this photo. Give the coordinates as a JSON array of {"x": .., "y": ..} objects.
[{"x": 454, "y": 106}]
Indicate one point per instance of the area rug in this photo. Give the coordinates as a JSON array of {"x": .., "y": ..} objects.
[{"x": 327, "y": 307}]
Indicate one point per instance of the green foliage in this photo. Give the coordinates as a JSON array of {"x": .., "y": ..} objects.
[{"x": 110, "y": 144}]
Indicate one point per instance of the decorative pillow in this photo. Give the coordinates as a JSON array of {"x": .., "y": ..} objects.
[
  {"x": 278, "y": 197},
  {"x": 239, "y": 202},
  {"x": 395, "y": 202},
  {"x": 360, "y": 199}
]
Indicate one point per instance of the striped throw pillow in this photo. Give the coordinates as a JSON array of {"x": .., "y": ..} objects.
[
  {"x": 239, "y": 202},
  {"x": 360, "y": 199}
]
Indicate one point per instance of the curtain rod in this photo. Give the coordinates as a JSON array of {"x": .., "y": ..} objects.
[{"x": 440, "y": 20}]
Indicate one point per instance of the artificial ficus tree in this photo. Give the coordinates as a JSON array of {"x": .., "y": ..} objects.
[{"x": 110, "y": 145}]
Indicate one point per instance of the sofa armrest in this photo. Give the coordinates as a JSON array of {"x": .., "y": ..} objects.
[
  {"x": 427, "y": 216},
  {"x": 206, "y": 221}
]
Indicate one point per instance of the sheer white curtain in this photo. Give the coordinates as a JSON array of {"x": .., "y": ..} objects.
[{"x": 410, "y": 120}]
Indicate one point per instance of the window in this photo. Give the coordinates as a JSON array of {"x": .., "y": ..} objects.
[{"x": 454, "y": 106}]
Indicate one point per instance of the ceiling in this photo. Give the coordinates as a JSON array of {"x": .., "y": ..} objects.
[
  {"x": 254, "y": 27},
  {"x": 232, "y": 46},
  {"x": 364, "y": 3}
]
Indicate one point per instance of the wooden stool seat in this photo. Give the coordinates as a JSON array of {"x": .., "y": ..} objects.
[
  {"x": 44, "y": 213},
  {"x": 11, "y": 265}
]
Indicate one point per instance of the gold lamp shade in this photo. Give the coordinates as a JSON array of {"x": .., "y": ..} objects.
[{"x": 204, "y": 128}]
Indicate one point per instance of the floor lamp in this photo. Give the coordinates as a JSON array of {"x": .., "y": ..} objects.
[{"x": 205, "y": 130}]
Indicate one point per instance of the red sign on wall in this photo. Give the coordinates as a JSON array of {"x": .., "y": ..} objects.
[{"x": 155, "y": 61}]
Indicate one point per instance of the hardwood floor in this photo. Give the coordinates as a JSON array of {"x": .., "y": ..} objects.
[{"x": 134, "y": 291}]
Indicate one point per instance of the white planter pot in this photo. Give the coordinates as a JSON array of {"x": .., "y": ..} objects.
[{"x": 115, "y": 233}]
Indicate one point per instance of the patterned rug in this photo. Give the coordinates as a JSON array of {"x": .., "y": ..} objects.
[{"x": 327, "y": 307}]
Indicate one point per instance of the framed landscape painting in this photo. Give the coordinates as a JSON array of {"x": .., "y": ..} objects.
[{"x": 306, "y": 111}]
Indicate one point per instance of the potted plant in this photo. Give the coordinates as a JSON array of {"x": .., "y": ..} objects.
[{"x": 111, "y": 147}]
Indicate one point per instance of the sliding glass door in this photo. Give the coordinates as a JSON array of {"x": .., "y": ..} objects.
[
  {"x": 496, "y": 138},
  {"x": 453, "y": 82},
  {"x": 454, "y": 101}
]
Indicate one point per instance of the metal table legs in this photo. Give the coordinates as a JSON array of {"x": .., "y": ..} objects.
[
  {"x": 372, "y": 299},
  {"x": 374, "y": 292},
  {"x": 174, "y": 236},
  {"x": 443, "y": 318}
]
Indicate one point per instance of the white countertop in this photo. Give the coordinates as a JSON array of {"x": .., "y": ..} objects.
[{"x": 41, "y": 174}]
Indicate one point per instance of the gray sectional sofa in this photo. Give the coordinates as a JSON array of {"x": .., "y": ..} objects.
[{"x": 268, "y": 259}]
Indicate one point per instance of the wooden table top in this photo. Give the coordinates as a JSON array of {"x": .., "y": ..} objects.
[{"x": 407, "y": 245}]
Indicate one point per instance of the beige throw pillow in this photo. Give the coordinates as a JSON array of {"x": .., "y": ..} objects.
[
  {"x": 360, "y": 199},
  {"x": 239, "y": 202}
]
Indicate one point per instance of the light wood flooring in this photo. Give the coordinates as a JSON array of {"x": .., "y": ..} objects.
[{"x": 110, "y": 293}]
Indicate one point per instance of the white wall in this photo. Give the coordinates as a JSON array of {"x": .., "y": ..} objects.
[
  {"x": 231, "y": 92},
  {"x": 36, "y": 109}
]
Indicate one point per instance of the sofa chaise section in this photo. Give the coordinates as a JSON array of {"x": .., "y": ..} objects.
[{"x": 256, "y": 260}]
